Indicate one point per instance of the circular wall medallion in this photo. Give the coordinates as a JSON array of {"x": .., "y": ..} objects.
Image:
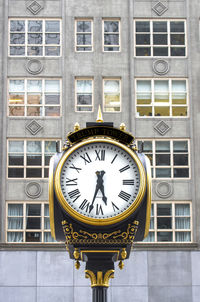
[
  {"x": 33, "y": 190},
  {"x": 161, "y": 67},
  {"x": 164, "y": 189},
  {"x": 34, "y": 66}
]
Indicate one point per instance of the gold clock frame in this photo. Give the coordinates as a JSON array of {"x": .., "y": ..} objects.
[{"x": 100, "y": 221}]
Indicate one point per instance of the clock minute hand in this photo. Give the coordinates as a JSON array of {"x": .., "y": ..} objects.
[
  {"x": 95, "y": 194},
  {"x": 104, "y": 198}
]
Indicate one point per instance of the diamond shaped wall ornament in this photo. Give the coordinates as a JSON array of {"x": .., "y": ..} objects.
[
  {"x": 34, "y": 127},
  {"x": 159, "y": 8},
  {"x": 34, "y": 7},
  {"x": 162, "y": 128}
]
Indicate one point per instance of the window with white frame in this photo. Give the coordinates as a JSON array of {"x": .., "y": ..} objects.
[
  {"x": 111, "y": 35},
  {"x": 84, "y": 35},
  {"x": 158, "y": 38},
  {"x": 35, "y": 37},
  {"x": 29, "y": 158},
  {"x": 169, "y": 158},
  {"x": 161, "y": 97},
  {"x": 170, "y": 222},
  {"x": 112, "y": 95},
  {"x": 34, "y": 97},
  {"x": 84, "y": 94},
  {"x": 28, "y": 222}
]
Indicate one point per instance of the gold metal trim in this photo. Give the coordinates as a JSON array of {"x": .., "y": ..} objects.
[
  {"x": 97, "y": 221},
  {"x": 149, "y": 193},
  {"x": 51, "y": 198},
  {"x": 99, "y": 279}
]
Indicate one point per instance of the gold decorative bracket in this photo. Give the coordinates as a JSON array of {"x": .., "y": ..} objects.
[{"x": 99, "y": 278}]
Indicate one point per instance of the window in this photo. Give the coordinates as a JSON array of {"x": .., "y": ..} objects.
[
  {"x": 34, "y": 37},
  {"x": 169, "y": 158},
  {"x": 84, "y": 35},
  {"x": 84, "y": 94},
  {"x": 34, "y": 97},
  {"x": 166, "y": 97},
  {"x": 112, "y": 95},
  {"x": 29, "y": 158},
  {"x": 170, "y": 222},
  {"x": 28, "y": 222},
  {"x": 111, "y": 39},
  {"x": 159, "y": 38}
]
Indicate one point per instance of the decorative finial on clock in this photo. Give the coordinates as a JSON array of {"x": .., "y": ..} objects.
[
  {"x": 122, "y": 127},
  {"x": 77, "y": 127},
  {"x": 99, "y": 116}
]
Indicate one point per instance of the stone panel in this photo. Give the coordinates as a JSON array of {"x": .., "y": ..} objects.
[
  {"x": 195, "y": 293},
  {"x": 169, "y": 269},
  {"x": 54, "y": 294},
  {"x": 18, "y": 294},
  {"x": 84, "y": 294},
  {"x": 134, "y": 272},
  {"x": 54, "y": 269},
  {"x": 143, "y": 9},
  {"x": 17, "y": 269},
  {"x": 126, "y": 293},
  {"x": 170, "y": 294},
  {"x": 195, "y": 257},
  {"x": 181, "y": 190}
]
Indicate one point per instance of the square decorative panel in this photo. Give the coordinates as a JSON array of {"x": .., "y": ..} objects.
[{"x": 159, "y": 8}]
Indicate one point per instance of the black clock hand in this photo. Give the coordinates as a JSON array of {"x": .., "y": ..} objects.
[
  {"x": 104, "y": 198},
  {"x": 99, "y": 186},
  {"x": 95, "y": 194}
]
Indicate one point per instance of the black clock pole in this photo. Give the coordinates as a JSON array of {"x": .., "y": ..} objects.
[{"x": 99, "y": 294}]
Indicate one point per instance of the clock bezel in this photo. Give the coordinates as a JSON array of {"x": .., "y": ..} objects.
[{"x": 100, "y": 221}]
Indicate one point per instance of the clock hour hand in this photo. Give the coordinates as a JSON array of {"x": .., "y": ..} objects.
[
  {"x": 95, "y": 194},
  {"x": 100, "y": 187}
]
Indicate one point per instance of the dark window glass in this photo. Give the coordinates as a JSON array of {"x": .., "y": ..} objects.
[
  {"x": 142, "y": 39},
  {"x": 143, "y": 51},
  {"x": 142, "y": 26},
  {"x": 162, "y": 159},
  {"x": 33, "y": 237},
  {"x": 162, "y": 146},
  {"x": 163, "y": 172},
  {"x": 180, "y": 159},
  {"x": 16, "y": 160},
  {"x": 33, "y": 172},
  {"x": 111, "y": 39},
  {"x": 160, "y": 39},
  {"x": 46, "y": 172},
  {"x": 33, "y": 223},
  {"x": 180, "y": 146},
  {"x": 34, "y": 160},
  {"x": 84, "y": 99},
  {"x": 177, "y": 39},
  {"x": 164, "y": 223},
  {"x": 111, "y": 26},
  {"x": 177, "y": 26},
  {"x": 178, "y": 51},
  {"x": 15, "y": 172},
  {"x": 84, "y": 39},
  {"x": 164, "y": 236},
  {"x": 111, "y": 48},
  {"x": 84, "y": 26},
  {"x": 181, "y": 172},
  {"x": 160, "y": 51},
  {"x": 159, "y": 26},
  {"x": 164, "y": 209},
  {"x": 84, "y": 48},
  {"x": 33, "y": 210}
]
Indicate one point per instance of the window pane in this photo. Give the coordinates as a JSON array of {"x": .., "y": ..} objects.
[
  {"x": 181, "y": 172},
  {"x": 52, "y": 86},
  {"x": 48, "y": 238},
  {"x": 34, "y": 26},
  {"x": 52, "y": 111},
  {"x": 144, "y": 111},
  {"x": 34, "y": 38},
  {"x": 183, "y": 236},
  {"x": 15, "y": 223},
  {"x": 52, "y": 51},
  {"x": 177, "y": 39},
  {"x": 46, "y": 223},
  {"x": 111, "y": 26},
  {"x": 162, "y": 111},
  {"x": 34, "y": 146},
  {"x": 52, "y": 38},
  {"x": 33, "y": 237},
  {"x": 83, "y": 26},
  {"x": 178, "y": 51},
  {"x": 85, "y": 39},
  {"x": 159, "y": 26},
  {"x": 33, "y": 173},
  {"x": 160, "y": 51},
  {"x": 180, "y": 146},
  {"x": 163, "y": 173},
  {"x": 34, "y": 98},
  {"x": 182, "y": 209},
  {"x": 17, "y": 25},
  {"x": 50, "y": 146},
  {"x": 180, "y": 159},
  {"x": 142, "y": 26},
  {"x": 17, "y": 38},
  {"x": 164, "y": 236},
  {"x": 162, "y": 146},
  {"x": 16, "y": 85},
  {"x": 160, "y": 39},
  {"x": 162, "y": 159},
  {"x": 15, "y": 237},
  {"x": 34, "y": 111},
  {"x": 143, "y": 92},
  {"x": 84, "y": 86},
  {"x": 16, "y": 111},
  {"x": 52, "y": 26},
  {"x": 142, "y": 39},
  {"x": 15, "y": 210},
  {"x": 16, "y": 146},
  {"x": 179, "y": 92},
  {"x": 177, "y": 26},
  {"x": 147, "y": 146},
  {"x": 52, "y": 99},
  {"x": 34, "y": 51},
  {"x": 164, "y": 223},
  {"x": 182, "y": 223},
  {"x": 15, "y": 172},
  {"x": 111, "y": 39},
  {"x": 16, "y": 160},
  {"x": 84, "y": 99},
  {"x": 46, "y": 210},
  {"x": 34, "y": 160},
  {"x": 164, "y": 209},
  {"x": 17, "y": 51},
  {"x": 33, "y": 210},
  {"x": 111, "y": 86},
  {"x": 143, "y": 51}
]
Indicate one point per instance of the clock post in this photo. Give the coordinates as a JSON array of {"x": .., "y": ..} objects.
[{"x": 99, "y": 199}]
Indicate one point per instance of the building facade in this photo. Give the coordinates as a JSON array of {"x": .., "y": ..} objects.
[{"x": 139, "y": 60}]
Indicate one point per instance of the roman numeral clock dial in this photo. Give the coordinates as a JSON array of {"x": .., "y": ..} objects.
[{"x": 100, "y": 181}]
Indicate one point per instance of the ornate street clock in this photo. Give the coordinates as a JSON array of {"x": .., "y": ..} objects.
[{"x": 100, "y": 197}]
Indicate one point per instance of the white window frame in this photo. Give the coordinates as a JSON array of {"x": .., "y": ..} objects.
[
  {"x": 42, "y": 230},
  {"x": 43, "y": 105},
  {"x": 155, "y": 229},
  {"x": 171, "y": 166},
  {"x": 77, "y": 33},
  {"x": 120, "y": 93},
  {"x": 169, "y": 104},
  {"x": 76, "y": 94},
  {"x": 26, "y": 45},
  {"x": 151, "y": 45},
  {"x": 24, "y": 166},
  {"x": 112, "y": 33}
]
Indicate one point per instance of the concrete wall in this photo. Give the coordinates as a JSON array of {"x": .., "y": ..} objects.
[{"x": 148, "y": 276}]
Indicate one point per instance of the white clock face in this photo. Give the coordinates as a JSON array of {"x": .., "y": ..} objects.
[{"x": 100, "y": 180}]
